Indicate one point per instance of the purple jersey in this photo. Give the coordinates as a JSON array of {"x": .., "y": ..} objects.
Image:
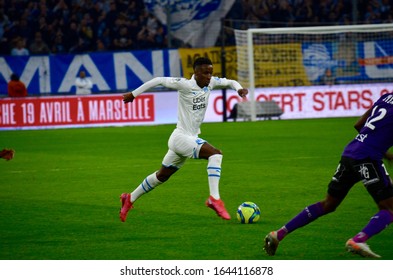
[{"x": 376, "y": 136}]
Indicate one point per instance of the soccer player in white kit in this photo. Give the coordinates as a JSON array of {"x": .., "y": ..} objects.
[{"x": 184, "y": 142}]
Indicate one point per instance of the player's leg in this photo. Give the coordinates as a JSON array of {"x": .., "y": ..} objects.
[
  {"x": 128, "y": 199},
  {"x": 380, "y": 187},
  {"x": 152, "y": 181},
  {"x": 170, "y": 164},
  {"x": 214, "y": 158},
  {"x": 197, "y": 148},
  {"x": 310, "y": 214},
  {"x": 338, "y": 188},
  {"x": 306, "y": 216}
]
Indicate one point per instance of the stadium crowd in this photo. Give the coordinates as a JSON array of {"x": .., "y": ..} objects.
[
  {"x": 288, "y": 13},
  {"x": 77, "y": 26}
]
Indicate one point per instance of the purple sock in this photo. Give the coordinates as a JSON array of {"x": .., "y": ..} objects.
[
  {"x": 309, "y": 214},
  {"x": 377, "y": 223}
]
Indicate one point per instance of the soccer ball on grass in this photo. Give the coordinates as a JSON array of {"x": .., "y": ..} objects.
[{"x": 248, "y": 213}]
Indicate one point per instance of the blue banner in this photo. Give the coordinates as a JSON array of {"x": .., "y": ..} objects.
[
  {"x": 109, "y": 72},
  {"x": 350, "y": 61}
]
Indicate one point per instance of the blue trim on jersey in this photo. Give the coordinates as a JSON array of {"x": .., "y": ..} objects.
[
  {"x": 194, "y": 154},
  {"x": 200, "y": 141}
]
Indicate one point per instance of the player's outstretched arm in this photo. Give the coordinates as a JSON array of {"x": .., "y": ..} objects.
[
  {"x": 128, "y": 97},
  {"x": 7, "y": 154}
]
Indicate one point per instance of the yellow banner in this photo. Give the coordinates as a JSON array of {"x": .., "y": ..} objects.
[
  {"x": 275, "y": 65},
  {"x": 279, "y": 65}
]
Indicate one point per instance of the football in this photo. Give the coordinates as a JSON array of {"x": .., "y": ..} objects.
[{"x": 248, "y": 213}]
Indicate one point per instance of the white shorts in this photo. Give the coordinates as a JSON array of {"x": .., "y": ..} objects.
[{"x": 181, "y": 146}]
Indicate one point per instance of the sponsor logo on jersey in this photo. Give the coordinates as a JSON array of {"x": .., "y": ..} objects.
[
  {"x": 199, "y": 103},
  {"x": 361, "y": 137}
]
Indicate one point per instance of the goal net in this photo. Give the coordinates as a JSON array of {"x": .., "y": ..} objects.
[{"x": 320, "y": 55}]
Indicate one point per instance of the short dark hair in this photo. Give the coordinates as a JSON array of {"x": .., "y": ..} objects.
[
  {"x": 202, "y": 61},
  {"x": 14, "y": 77}
]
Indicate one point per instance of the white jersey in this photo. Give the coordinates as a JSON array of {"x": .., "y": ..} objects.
[
  {"x": 193, "y": 100},
  {"x": 83, "y": 85}
]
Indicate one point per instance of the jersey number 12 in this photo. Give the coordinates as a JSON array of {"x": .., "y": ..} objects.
[{"x": 376, "y": 115}]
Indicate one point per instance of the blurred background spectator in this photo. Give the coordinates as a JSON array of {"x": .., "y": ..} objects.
[
  {"x": 83, "y": 84},
  {"x": 328, "y": 78},
  {"x": 76, "y": 26},
  {"x": 38, "y": 45},
  {"x": 16, "y": 88},
  {"x": 20, "y": 47}
]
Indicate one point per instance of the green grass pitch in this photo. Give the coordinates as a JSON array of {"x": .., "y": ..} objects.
[{"x": 59, "y": 196}]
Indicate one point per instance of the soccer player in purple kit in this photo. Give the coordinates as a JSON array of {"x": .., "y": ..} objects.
[{"x": 362, "y": 160}]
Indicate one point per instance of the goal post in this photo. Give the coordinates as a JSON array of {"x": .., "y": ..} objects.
[{"x": 318, "y": 55}]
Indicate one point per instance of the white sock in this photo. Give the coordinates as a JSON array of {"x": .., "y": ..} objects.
[
  {"x": 146, "y": 186},
  {"x": 214, "y": 174}
]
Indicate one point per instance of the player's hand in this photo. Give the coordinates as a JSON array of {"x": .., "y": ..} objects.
[
  {"x": 128, "y": 97},
  {"x": 7, "y": 154},
  {"x": 242, "y": 92}
]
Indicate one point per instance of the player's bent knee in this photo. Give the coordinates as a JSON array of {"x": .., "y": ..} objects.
[
  {"x": 386, "y": 204},
  {"x": 329, "y": 206},
  {"x": 164, "y": 174},
  {"x": 162, "y": 177},
  {"x": 215, "y": 152}
]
